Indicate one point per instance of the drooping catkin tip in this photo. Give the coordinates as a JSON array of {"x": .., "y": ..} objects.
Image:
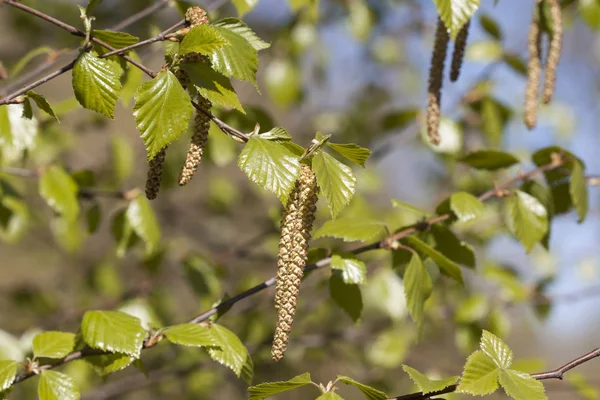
[
  {"x": 534, "y": 69},
  {"x": 554, "y": 51},
  {"x": 197, "y": 142},
  {"x": 436, "y": 74},
  {"x": 458, "y": 54},
  {"x": 155, "y": 171}
]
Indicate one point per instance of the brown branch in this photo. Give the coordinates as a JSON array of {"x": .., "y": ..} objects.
[{"x": 553, "y": 374}]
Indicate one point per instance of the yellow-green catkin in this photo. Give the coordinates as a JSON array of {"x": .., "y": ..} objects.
[
  {"x": 155, "y": 170},
  {"x": 534, "y": 69},
  {"x": 296, "y": 226},
  {"x": 554, "y": 50},
  {"x": 458, "y": 55},
  {"x": 197, "y": 143},
  {"x": 436, "y": 74}
]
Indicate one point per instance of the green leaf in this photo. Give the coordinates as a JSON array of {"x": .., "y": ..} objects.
[
  {"x": 270, "y": 165},
  {"x": 283, "y": 81},
  {"x": 53, "y": 344},
  {"x": 409, "y": 207},
  {"x": 455, "y": 13},
  {"x": 8, "y": 371},
  {"x": 417, "y": 287},
  {"x": 369, "y": 392},
  {"x": 472, "y": 309},
  {"x": 97, "y": 83},
  {"x": 113, "y": 331},
  {"x": 490, "y": 26},
  {"x": 230, "y": 352},
  {"x": 162, "y": 111},
  {"x": 16, "y": 133},
  {"x": 452, "y": 247},
  {"x": 521, "y": 386},
  {"x": 480, "y": 376},
  {"x": 427, "y": 385},
  {"x": 466, "y": 206},
  {"x": 400, "y": 119},
  {"x": 447, "y": 266},
  {"x": 589, "y": 10},
  {"x": 336, "y": 180},
  {"x": 240, "y": 28},
  {"x": 329, "y": 396},
  {"x": 190, "y": 335},
  {"x": 143, "y": 221},
  {"x": 202, "y": 39},
  {"x": 109, "y": 363},
  {"x": 42, "y": 103},
  {"x": 527, "y": 218},
  {"x": 244, "y": 6},
  {"x": 347, "y": 296},
  {"x": 516, "y": 63},
  {"x": 264, "y": 390},
  {"x": 278, "y": 134},
  {"x": 352, "y": 152},
  {"x": 92, "y": 4},
  {"x": 237, "y": 60},
  {"x": 118, "y": 40},
  {"x": 390, "y": 347},
  {"x": 212, "y": 85},
  {"x": 57, "y": 386},
  {"x": 579, "y": 190},
  {"x": 489, "y": 159},
  {"x": 60, "y": 192},
  {"x": 496, "y": 349},
  {"x": 353, "y": 270},
  {"x": 352, "y": 229}
]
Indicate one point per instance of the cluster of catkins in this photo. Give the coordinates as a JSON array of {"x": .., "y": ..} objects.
[
  {"x": 194, "y": 16},
  {"x": 534, "y": 66}
]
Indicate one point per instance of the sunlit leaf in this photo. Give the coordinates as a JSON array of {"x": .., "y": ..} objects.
[
  {"x": 480, "y": 376},
  {"x": 113, "y": 331},
  {"x": 8, "y": 371},
  {"x": 522, "y": 386},
  {"x": 190, "y": 335},
  {"x": 352, "y": 152},
  {"x": 42, "y": 103},
  {"x": 118, "y": 40},
  {"x": 143, "y": 221},
  {"x": 447, "y": 266},
  {"x": 244, "y": 6},
  {"x": 496, "y": 349},
  {"x": 466, "y": 206},
  {"x": 97, "y": 83},
  {"x": 369, "y": 392},
  {"x": 455, "y": 13},
  {"x": 60, "y": 192},
  {"x": 266, "y": 389},
  {"x": 57, "y": 386},
  {"x": 202, "y": 39},
  {"x": 427, "y": 385},
  {"x": 527, "y": 218},
  {"x": 230, "y": 352},
  {"x": 336, "y": 180},
  {"x": 212, "y": 85},
  {"x": 417, "y": 288},
  {"x": 353, "y": 270},
  {"x": 53, "y": 344}
]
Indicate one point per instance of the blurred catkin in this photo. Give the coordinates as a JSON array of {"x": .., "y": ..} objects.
[
  {"x": 197, "y": 143},
  {"x": 554, "y": 50},
  {"x": 296, "y": 225},
  {"x": 460, "y": 44},
  {"x": 155, "y": 170},
  {"x": 436, "y": 74},
  {"x": 534, "y": 68}
]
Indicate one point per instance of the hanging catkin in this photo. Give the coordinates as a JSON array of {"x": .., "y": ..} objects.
[
  {"x": 296, "y": 224},
  {"x": 534, "y": 68},
  {"x": 458, "y": 54},
  {"x": 155, "y": 170},
  {"x": 436, "y": 73},
  {"x": 197, "y": 143},
  {"x": 554, "y": 50}
]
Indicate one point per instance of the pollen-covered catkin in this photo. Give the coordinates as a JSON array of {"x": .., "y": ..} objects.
[
  {"x": 554, "y": 50},
  {"x": 534, "y": 68},
  {"x": 436, "y": 74},
  {"x": 155, "y": 170},
  {"x": 296, "y": 225},
  {"x": 197, "y": 143},
  {"x": 458, "y": 54}
]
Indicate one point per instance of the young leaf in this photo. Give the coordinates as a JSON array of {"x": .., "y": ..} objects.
[
  {"x": 162, "y": 111},
  {"x": 244, "y": 6},
  {"x": 353, "y": 270},
  {"x": 240, "y": 28},
  {"x": 264, "y": 390},
  {"x": 427, "y": 385},
  {"x": 60, "y": 192},
  {"x": 449, "y": 245},
  {"x": 527, "y": 218},
  {"x": 8, "y": 370},
  {"x": 455, "y": 13},
  {"x": 97, "y": 83},
  {"x": 369, "y": 392},
  {"x": 579, "y": 190},
  {"x": 109, "y": 363},
  {"x": 118, "y": 40},
  {"x": 417, "y": 287},
  {"x": 202, "y": 39},
  {"x": 278, "y": 134},
  {"x": 489, "y": 159},
  {"x": 352, "y": 152},
  {"x": 143, "y": 221},
  {"x": 480, "y": 376},
  {"x": 496, "y": 349},
  {"x": 57, "y": 386},
  {"x": 42, "y": 103},
  {"x": 190, "y": 335},
  {"x": 336, "y": 180},
  {"x": 465, "y": 206},
  {"x": 352, "y": 229},
  {"x": 212, "y": 85},
  {"x": 347, "y": 296},
  {"x": 113, "y": 331},
  {"x": 270, "y": 165},
  {"x": 230, "y": 352},
  {"x": 53, "y": 344},
  {"x": 329, "y": 396},
  {"x": 447, "y": 266},
  {"x": 238, "y": 59},
  {"x": 521, "y": 386}
]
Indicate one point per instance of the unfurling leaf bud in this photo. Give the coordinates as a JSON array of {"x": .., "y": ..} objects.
[
  {"x": 460, "y": 44},
  {"x": 155, "y": 170},
  {"x": 197, "y": 143},
  {"x": 296, "y": 225},
  {"x": 436, "y": 75}
]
